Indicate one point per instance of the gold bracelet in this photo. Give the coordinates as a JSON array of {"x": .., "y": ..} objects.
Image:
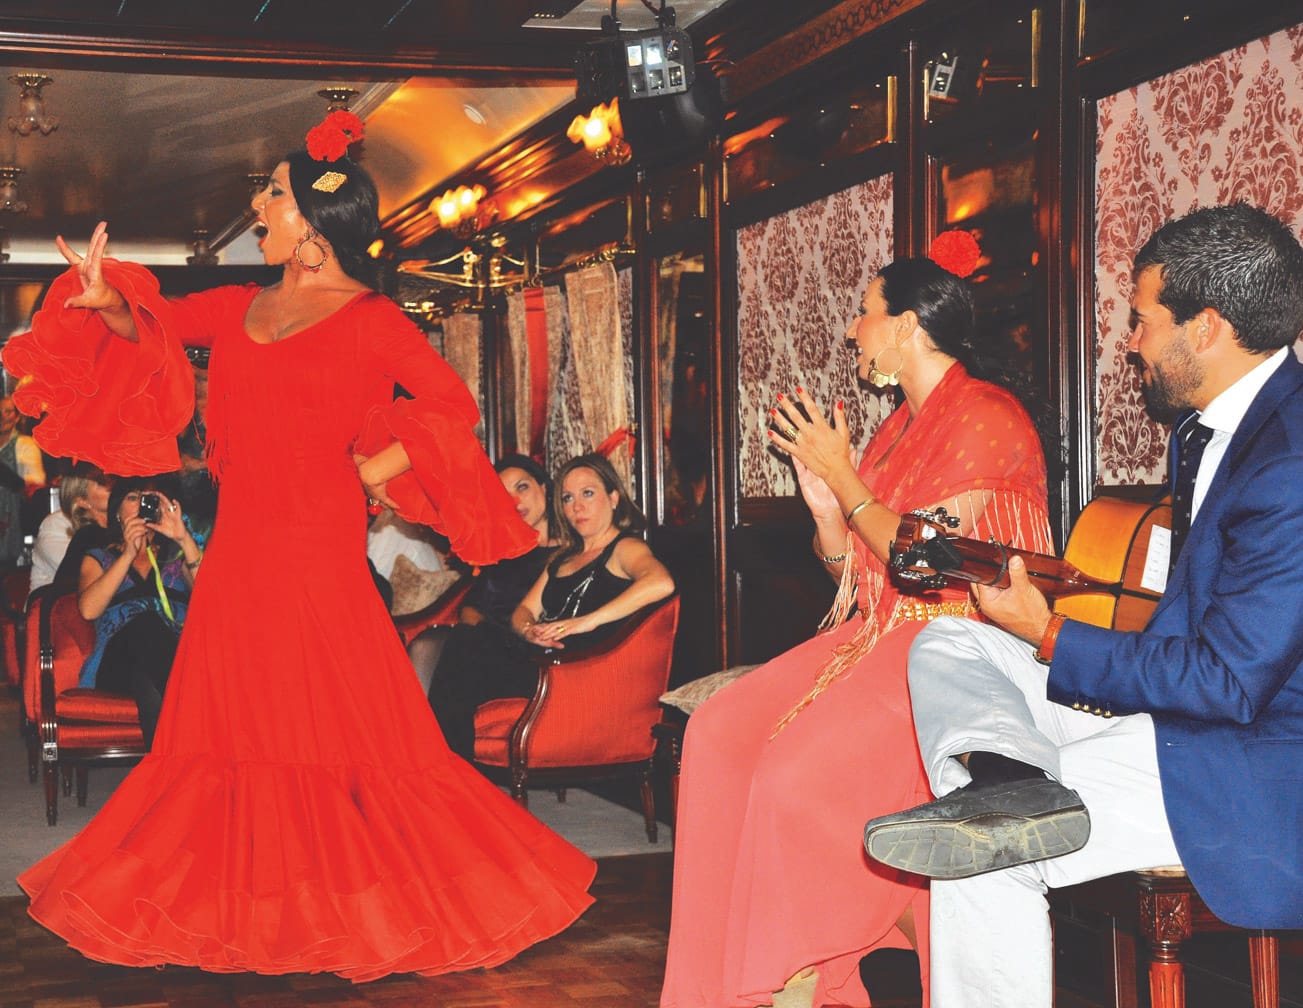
[
  {"x": 835, "y": 559},
  {"x": 850, "y": 517}
]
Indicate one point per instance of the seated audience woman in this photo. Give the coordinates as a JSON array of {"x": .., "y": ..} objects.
[
  {"x": 83, "y": 502},
  {"x": 498, "y": 588},
  {"x": 136, "y": 590},
  {"x": 772, "y": 891},
  {"x": 602, "y": 574}
]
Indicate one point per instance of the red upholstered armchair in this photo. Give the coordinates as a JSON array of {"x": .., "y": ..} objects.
[
  {"x": 591, "y": 715},
  {"x": 443, "y": 611},
  {"x": 75, "y": 727}
]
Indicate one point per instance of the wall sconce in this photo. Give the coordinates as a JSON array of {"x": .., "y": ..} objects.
[
  {"x": 601, "y": 133},
  {"x": 9, "y": 201},
  {"x": 459, "y": 210},
  {"x": 31, "y": 107}
]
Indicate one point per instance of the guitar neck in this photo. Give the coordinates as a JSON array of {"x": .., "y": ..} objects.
[{"x": 988, "y": 563}]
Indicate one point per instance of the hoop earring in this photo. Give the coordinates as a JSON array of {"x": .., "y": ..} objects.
[
  {"x": 311, "y": 239},
  {"x": 881, "y": 379}
]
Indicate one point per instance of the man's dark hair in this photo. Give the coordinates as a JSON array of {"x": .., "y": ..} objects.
[{"x": 1236, "y": 259}]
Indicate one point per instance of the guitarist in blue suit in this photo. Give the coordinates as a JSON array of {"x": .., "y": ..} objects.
[{"x": 1066, "y": 752}]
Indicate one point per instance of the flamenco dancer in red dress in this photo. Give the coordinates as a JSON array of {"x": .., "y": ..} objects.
[{"x": 299, "y": 811}]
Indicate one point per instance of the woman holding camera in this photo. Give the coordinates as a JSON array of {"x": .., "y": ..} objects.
[{"x": 135, "y": 590}]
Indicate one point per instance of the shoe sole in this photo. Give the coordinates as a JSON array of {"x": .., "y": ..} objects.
[{"x": 974, "y": 846}]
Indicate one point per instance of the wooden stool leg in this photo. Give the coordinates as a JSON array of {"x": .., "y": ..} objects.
[
  {"x": 1167, "y": 977},
  {"x": 1165, "y": 919},
  {"x": 1264, "y": 969}
]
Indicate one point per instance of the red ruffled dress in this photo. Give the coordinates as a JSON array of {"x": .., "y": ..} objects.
[{"x": 300, "y": 811}]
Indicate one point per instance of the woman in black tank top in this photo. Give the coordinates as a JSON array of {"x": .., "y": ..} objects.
[{"x": 602, "y": 574}]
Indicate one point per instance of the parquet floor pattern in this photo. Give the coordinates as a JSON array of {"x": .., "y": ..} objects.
[{"x": 613, "y": 956}]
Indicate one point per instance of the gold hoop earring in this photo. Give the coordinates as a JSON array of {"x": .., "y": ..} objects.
[
  {"x": 311, "y": 239},
  {"x": 880, "y": 378}
]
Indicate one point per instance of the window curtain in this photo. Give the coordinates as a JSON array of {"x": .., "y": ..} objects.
[
  {"x": 463, "y": 349},
  {"x": 601, "y": 365}
]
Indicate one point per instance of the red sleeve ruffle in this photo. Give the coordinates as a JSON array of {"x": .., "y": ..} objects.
[
  {"x": 104, "y": 399},
  {"x": 451, "y": 487}
]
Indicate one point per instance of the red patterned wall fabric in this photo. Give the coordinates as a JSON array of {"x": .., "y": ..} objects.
[
  {"x": 1229, "y": 128},
  {"x": 800, "y": 277}
]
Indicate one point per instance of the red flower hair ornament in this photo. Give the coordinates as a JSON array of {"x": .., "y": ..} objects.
[
  {"x": 329, "y": 140},
  {"x": 956, "y": 252}
]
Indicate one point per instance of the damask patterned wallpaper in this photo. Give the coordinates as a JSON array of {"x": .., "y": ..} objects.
[
  {"x": 800, "y": 277},
  {"x": 1229, "y": 128}
]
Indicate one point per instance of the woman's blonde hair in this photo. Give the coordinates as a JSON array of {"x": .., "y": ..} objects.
[{"x": 74, "y": 496}]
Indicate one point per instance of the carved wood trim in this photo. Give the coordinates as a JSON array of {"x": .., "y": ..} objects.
[{"x": 814, "y": 40}]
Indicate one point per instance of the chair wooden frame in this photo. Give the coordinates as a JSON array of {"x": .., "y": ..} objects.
[
  {"x": 559, "y": 672},
  {"x": 121, "y": 741},
  {"x": 1162, "y": 906}
]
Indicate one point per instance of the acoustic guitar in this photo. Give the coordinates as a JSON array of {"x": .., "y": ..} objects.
[{"x": 1098, "y": 580}]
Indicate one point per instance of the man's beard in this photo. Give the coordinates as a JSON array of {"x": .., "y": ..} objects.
[{"x": 1173, "y": 378}]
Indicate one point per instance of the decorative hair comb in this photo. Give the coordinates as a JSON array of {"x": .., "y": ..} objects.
[
  {"x": 956, "y": 252},
  {"x": 329, "y": 140}
]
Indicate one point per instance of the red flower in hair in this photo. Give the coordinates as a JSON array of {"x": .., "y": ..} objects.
[
  {"x": 329, "y": 139},
  {"x": 956, "y": 251}
]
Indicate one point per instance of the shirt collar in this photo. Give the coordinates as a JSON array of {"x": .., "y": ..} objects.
[{"x": 1227, "y": 409}]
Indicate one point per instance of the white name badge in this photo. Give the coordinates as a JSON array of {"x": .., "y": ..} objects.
[{"x": 1158, "y": 558}]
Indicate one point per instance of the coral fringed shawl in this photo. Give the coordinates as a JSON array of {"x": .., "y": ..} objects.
[{"x": 973, "y": 450}]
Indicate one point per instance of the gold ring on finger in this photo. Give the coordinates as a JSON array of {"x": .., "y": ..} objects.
[{"x": 792, "y": 434}]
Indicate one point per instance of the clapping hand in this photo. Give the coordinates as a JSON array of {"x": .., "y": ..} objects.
[{"x": 815, "y": 447}]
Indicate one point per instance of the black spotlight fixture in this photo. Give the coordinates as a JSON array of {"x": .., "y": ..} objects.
[
  {"x": 667, "y": 103},
  {"x": 651, "y": 63}
]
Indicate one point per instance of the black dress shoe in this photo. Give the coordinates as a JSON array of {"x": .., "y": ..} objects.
[
  {"x": 891, "y": 975},
  {"x": 980, "y": 828}
]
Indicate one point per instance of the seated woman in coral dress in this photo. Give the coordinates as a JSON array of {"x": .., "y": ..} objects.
[
  {"x": 772, "y": 890},
  {"x": 299, "y": 811},
  {"x": 136, "y": 591},
  {"x": 602, "y": 574}
]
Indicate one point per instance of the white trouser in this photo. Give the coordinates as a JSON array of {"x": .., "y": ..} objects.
[{"x": 975, "y": 688}]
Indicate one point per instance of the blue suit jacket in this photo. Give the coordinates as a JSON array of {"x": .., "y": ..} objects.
[{"x": 1220, "y": 669}]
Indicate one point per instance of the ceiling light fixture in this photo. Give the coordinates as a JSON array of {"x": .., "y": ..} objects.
[
  {"x": 460, "y": 210},
  {"x": 31, "y": 106},
  {"x": 602, "y": 133},
  {"x": 9, "y": 201}
]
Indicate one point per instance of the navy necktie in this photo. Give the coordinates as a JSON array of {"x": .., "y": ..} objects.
[{"x": 1194, "y": 439}]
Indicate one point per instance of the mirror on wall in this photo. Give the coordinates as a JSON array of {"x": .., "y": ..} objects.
[
  {"x": 990, "y": 191},
  {"x": 683, "y": 360}
]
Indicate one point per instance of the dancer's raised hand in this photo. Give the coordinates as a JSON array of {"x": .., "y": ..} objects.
[{"x": 96, "y": 294}]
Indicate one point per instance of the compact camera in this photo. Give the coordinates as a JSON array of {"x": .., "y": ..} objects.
[{"x": 151, "y": 507}]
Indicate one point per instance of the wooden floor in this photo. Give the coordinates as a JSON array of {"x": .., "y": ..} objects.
[{"x": 614, "y": 955}]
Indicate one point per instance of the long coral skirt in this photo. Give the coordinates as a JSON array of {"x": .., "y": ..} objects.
[{"x": 770, "y": 874}]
